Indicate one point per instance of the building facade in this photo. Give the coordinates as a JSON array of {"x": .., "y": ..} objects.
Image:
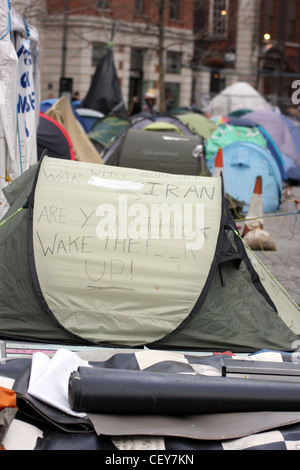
[
  {"x": 206, "y": 45},
  {"x": 226, "y": 47},
  {"x": 257, "y": 41},
  {"x": 279, "y": 48},
  {"x": 75, "y": 34}
]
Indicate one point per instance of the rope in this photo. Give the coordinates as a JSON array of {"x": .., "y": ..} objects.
[
  {"x": 9, "y": 30},
  {"x": 5, "y": 34},
  {"x": 19, "y": 141},
  {"x": 295, "y": 213},
  {"x": 281, "y": 225},
  {"x": 26, "y": 28},
  {"x": 262, "y": 264}
]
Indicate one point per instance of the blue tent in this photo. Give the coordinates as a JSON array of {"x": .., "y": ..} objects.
[
  {"x": 273, "y": 123},
  {"x": 282, "y": 161},
  {"x": 88, "y": 117},
  {"x": 243, "y": 162}
]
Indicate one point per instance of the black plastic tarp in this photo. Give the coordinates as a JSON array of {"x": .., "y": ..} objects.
[{"x": 105, "y": 93}]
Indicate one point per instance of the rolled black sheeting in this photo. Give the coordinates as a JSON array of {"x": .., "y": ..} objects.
[{"x": 109, "y": 391}]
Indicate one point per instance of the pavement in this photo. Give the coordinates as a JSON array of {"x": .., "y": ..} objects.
[{"x": 284, "y": 262}]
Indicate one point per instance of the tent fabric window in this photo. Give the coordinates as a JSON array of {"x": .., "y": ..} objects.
[{"x": 173, "y": 62}]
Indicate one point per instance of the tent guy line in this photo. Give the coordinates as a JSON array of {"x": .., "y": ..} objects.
[
  {"x": 269, "y": 216},
  {"x": 5, "y": 220}
]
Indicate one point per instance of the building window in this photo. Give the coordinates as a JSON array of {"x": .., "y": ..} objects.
[
  {"x": 174, "y": 10},
  {"x": 217, "y": 82},
  {"x": 136, "y": 59},
  {"x": 102, "y": 4},
  {"x": 172, "y": 93},
  {"x": 219, "y": 15},
  {"x": 98, "y": 51},
  {"x": 139, "y": 6},
  {"x": 270, "y": 18},
  {"x": 292, "y": 21},
  {"x": 173, "y": 62}
]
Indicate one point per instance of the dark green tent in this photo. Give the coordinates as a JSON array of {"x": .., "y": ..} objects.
[
  {"x": 103, "y": 255},
  {"x": 199, "y": 123},
  {"x": 106, "y": 131}
]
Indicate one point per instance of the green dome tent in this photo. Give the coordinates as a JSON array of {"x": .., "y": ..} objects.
[
  {"x": 227, "y": 134},
  {"x": 106, "y": 131},
  {"x": 199, "y": 123}
]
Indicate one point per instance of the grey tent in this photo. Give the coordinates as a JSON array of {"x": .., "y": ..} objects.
[
  {"x": 103, "y": 255},
  {"x": 154, "y": 150},
  {"x": 146, "y": 146}
]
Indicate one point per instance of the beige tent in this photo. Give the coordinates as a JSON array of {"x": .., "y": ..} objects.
[
  {"x": 62, "y": 112},
  {"x": 240, "y": 95}
]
